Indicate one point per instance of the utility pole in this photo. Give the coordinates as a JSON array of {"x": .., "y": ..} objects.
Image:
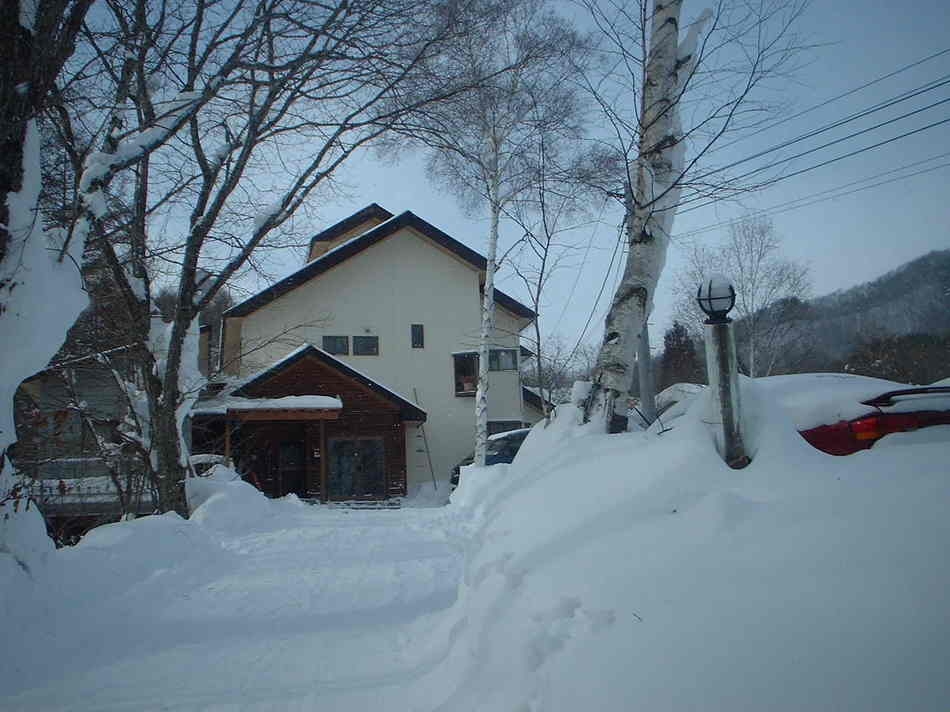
[{"x": 645, "y": 374}]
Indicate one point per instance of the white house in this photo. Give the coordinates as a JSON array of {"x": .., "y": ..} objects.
[{"x": 387, "y": 308}]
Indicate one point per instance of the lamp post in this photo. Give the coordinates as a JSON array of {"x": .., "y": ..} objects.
[{"x": 716, "y": 297}]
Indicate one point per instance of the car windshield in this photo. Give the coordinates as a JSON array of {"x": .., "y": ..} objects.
[{"x": 498, "y": 446}]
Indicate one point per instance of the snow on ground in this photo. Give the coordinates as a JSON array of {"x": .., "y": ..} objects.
[{"x": 595, "y": 572}]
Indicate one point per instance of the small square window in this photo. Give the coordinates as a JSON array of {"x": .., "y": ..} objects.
[
  {"x": 336, "y": 344},
  {"x": 503, "y": 360},
  {"x": 366, "y": 346},
  {"x": 418, "y": 336}
]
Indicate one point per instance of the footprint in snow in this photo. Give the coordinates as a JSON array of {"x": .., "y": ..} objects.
[{"x": 561, "y": 623}]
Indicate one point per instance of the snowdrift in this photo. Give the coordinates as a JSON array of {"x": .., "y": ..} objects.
[{"x": 599, "y": 572}]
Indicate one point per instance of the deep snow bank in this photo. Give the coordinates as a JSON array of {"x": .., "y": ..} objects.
[
  {"x": 638, "y": 572},
  {"x": 595, "y": 572}
]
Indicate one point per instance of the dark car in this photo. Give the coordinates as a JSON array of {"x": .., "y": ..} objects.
[
  {"x": 897, "y": 411},
  {"x": 502, "y": 448}
]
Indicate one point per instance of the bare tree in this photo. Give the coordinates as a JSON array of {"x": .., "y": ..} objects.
[
  {"x": 708, "y": 79},
  {"x": 266, "y": 101},
  {"x": 546, "y": 215},
  {"x": 768, "y": 291},
  {"x": 555, "y": 367},
  {"x": 483, "y": 146}
]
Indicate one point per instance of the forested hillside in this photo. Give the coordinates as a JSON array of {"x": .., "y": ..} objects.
[
  {"x": 902, "y": 316},
  {"x": 912, "y": 299}
]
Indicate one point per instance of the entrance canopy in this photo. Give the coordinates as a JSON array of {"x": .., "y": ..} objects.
[
  {"x": 285, "y": 439},
  {"x": 287, "y": 408}
]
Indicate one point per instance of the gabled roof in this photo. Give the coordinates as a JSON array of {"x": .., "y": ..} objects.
[
  {"x": 408, "y": 409},
  {"x": 373, "y": 210},
  {"x": 367, "y": 239}
]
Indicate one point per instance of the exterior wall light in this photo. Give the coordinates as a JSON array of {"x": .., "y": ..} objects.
[{"x": 716, "y": 297}]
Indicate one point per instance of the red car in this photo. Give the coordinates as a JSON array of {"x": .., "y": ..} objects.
[{"x": 894, "y": 412}]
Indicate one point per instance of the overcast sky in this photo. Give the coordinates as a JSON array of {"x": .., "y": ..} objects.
[{"x": 845, "y": 241}]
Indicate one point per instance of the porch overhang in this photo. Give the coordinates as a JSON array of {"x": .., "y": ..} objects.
[{"x": 281, "y": 414}]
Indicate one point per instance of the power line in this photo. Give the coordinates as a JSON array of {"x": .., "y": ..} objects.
[
  {"x": 577, "y": 277},
  {"x": 824, "y": 196},
  {"x": 823, "y": 163},
  {"x": 600, "y": 293},
  {"x": 836, "y": 141},
  {"x": 933, "y": 84},
  {"x": 880, "y": 106},
  {"x": 838, "y": 97}
]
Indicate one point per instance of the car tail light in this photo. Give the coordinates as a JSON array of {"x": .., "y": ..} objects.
[
  {"x": 877, "y": 426},
  {"x": 847, "y": 437},
  {"x": 834, "y": 439}
]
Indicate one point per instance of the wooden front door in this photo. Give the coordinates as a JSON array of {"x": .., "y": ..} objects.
[
  {"x": 356, "y": 468},
  {"x": 291, "y": 468},
  {"x": 273, "y": 457}
]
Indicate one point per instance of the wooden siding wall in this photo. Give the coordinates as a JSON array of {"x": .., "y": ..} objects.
[{"x": 365, "y": 413}]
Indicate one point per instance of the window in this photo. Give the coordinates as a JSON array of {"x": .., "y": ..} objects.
[
  {"x": 503, "y": 360},
  {"x": 466, "y": 373},
  {"x": 337, "y": 344},
  {"x": 366, "y": 346},
  {"x": 418, "y": 336}
]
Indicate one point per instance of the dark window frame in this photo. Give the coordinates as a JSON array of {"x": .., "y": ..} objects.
[
  {"x": 365, "y": 339},
  {"x": 336, "y": 352},
  {"x": 466, "y": 379},
  {"x": 417, "y": 336}
]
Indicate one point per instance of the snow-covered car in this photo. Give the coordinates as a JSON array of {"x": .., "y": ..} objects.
[
  {"x": 896, "y": 411},
  {"x": 502, "y": 448},
  {"x": 839, "y": 414}
]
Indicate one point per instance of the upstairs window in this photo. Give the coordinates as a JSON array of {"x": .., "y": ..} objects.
[
  {"x": 503, "y": 360},
  {"x": 337, "y": 345},
  {"x": 466, "y": 373},
  {"x": 366, "y": 346},
  {"x": 418, "y": 336}
]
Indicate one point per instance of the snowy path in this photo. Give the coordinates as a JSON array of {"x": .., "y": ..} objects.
[
  {"x": 308, "y": 605},
  {"x": 595, "y": 573}
]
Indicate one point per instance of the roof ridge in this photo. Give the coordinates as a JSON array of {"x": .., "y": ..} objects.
[
  {"x": 358, "y": 243},
  {"x": 373, "y": 210}
]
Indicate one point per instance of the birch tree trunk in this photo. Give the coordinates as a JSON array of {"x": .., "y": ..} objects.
[
  {"x": 649, "y": 206},
  {"x": 488, "y": 328}
]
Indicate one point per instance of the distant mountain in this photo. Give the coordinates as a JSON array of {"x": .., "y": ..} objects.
[
  {"x": 821, "y": 334},
  {"x": 912, "y": 299}
]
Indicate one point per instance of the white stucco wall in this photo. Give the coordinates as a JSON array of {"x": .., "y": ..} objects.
[{"x": 405, "y": 279}]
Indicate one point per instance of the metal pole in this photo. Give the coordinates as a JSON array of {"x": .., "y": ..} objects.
[
  {"x": 227, "y": 441},
  {"x": 645, "y": 374},
  {"x": 726, "y": 414}
]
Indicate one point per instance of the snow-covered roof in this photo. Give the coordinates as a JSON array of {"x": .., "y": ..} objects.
[
  {"x": 509, "y": 433},
  {"x": 242, "y": 389},
  {"x": 220, "y": 406}
]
